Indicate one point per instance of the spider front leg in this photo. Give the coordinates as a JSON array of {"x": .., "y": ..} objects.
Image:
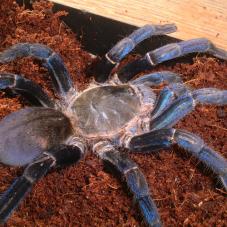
[
  {"x": 164, "y": 138},
  {"x": 126, "y": 45},
  {"x": 157, "y": 78},
  {"x": 169, "y": 52},
  {"x": 167, "y": 95},
  {"x": 51, "y": 60},
  {"x": 32, "y": 91},
  {"x": 186, "y": 103},
  {"x": 59, "y": 156},
  {"x": 134, "y": 178}
]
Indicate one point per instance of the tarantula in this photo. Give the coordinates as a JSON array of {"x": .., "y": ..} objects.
[{"x": 115, "y": 112}]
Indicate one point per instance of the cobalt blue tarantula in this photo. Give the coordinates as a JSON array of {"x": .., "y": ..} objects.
[{"x": 115, "y": 112}]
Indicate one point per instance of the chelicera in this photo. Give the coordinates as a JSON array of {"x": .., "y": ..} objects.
[{"x": 114, "y": 112}]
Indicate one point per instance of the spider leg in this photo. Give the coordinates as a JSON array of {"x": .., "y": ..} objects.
[
  {"x": 135, "y": 181},
  {"x": 166, "y": 96},
  {"x": 27, "y": 88},
  {"x": 59, "y": 156},
  {"x": 164, "y": 138},
  {"x": 169, "y": 52},
  {"x": 186, "y": 103},
  {"x": 126, "y": 45},
  {"x": 51, "y": 60},
  {"x": 157, "y": 78}
]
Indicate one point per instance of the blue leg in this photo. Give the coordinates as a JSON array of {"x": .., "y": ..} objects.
[
  {"x": 164, "y": 138},
  {"x": 169, "y": 52},
  {"x": 210, "y": 96},
  {"x": 166, "y": 96},
  {"x": 135, "y": 181},
  {"x": 126, "y": 45},
  {"x": 58, "y": 156},
  {"x": 32, "y": 91},
  {"x": 186, "y": 103},
  {"x": 157, "y": 78},
  {"x": 60, "y": 75},
  {"x": 164, "y": 99}
]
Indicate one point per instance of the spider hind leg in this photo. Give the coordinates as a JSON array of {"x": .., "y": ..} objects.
[
  {"x": 51, "y": 60},
  {"x": 32, "y": 91},
  {"x": 57, "y": 156},
  {"x": 135, "y": 180}
]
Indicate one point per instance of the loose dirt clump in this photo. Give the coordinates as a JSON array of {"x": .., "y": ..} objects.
[{"x": 186, "y": 192}]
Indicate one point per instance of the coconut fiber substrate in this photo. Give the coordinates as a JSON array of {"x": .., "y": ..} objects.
[{"x": 185, "y": 191}]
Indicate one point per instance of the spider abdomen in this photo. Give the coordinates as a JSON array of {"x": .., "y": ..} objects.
[{"x": 104, "y": 110}]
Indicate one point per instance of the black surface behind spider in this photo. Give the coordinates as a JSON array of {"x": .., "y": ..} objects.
[{"x": 114, "y": 112}]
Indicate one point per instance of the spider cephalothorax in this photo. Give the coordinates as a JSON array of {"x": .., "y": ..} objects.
[
  {"x": 114, "y": 112},
  {"x": 102, "y": 111}
]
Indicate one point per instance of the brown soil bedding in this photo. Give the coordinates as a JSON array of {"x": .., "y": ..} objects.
[{"x": 186, "y": 193}]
